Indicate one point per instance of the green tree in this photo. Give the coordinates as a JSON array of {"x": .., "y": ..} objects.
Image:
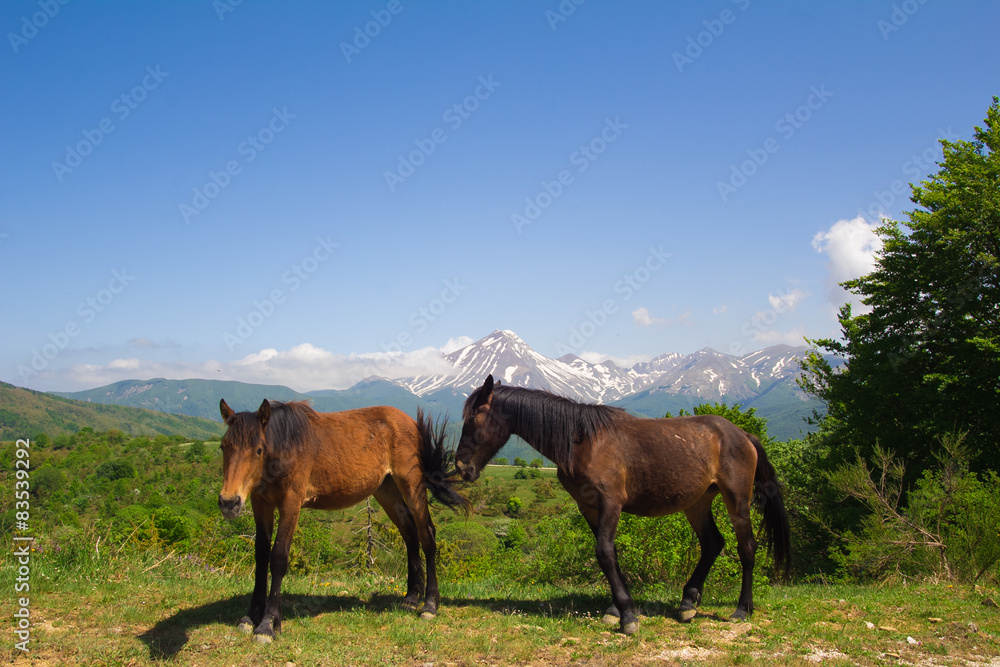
[
  {"x": 745, "y": 419},
  {"x": 926, "y": 359},
  {"x": 519, "y": 462}
]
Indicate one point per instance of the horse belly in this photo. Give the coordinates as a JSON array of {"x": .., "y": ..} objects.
[
  {"x": 334, "y": 501},
  {"x": 665, "y": 501}
]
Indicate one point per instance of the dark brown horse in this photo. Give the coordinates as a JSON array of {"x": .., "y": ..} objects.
[
  {"x": 287, "y": 456},
  {"x": 611, "y": 462}
]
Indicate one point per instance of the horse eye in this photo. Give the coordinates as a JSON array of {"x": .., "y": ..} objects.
[{"x": 260, "y": 450}]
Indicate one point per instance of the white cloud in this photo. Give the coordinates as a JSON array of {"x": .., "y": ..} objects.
[
  {"x": 721, "y": 309},
  {"x": 304, "y": 367},
  {"x": 624, "y": 362},
  {"x": 454, "y": 344},
  {"x": 775, "y": 337},
  {"x": 788, "y": 301},
  {"x": 851, "y": 246},
  {"x": 643, "y": 318}
]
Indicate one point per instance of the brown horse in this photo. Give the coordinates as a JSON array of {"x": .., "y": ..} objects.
[
  {"x": 611, "y": 462},
  {"x": 287, "y": 456}
]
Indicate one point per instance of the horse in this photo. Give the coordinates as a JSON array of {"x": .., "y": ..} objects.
[
  {"x": 287, "y": 456},
  {"x": 612, "y": 462}
]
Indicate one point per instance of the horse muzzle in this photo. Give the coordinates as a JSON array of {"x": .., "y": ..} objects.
[
  {"x": 231, "y": 507},
  {"x": 468, "y": 471}
]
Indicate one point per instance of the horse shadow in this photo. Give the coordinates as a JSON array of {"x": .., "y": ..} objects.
[{"x": 169, "y": 636}]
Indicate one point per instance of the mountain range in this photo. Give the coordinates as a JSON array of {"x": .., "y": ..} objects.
[{"x": 764, "y": 380}]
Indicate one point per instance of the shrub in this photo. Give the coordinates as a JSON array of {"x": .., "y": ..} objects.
[
  {"x": 947, "y": 529},
  {"x": 468, "y": 539},
  {"x": 115, "y": 470}
]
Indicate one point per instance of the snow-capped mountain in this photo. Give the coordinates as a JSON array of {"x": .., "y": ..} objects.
[
  {"x": 707, "y": 374},
  {"x": 511, "y": 361}
]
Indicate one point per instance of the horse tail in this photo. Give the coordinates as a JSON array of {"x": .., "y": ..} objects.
[
  {"x": 769, "y": 499},
  {"x": 439, "y": 464}
]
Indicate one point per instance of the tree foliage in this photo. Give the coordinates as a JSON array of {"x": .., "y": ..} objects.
[{"x": 925, "y": 359}]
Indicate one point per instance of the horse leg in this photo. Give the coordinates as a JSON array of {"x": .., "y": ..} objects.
[
  {"x": 711, "y": 541},
  {"x": 263, "y": 514},
  {"x": 288, "y": 518},
  {"x": 415, "y": 494},
  {"x": 746, "y": 547},
  {"x": 391, "y": 500},
  {"x": 611, "y": 615},
  {"x": 605, "y": 526}
]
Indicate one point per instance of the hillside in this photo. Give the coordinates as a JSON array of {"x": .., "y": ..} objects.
[
  {"x": 200, "y": 398},
  {"x": 25, "y": 413}
]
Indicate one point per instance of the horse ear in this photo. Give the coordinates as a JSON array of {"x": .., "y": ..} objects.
[
  {"x": 264, "y": 413},
  {"x": 227, "y": 412},
  {"x": 485, "y": 394}
]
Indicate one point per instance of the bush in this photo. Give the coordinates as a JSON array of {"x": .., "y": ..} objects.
[
  {"x": 946, "y": 530},
  {"x": 115, "y": 470},
  {"x": 468, "y": 539},
  {"x": 656, "y": 553}
]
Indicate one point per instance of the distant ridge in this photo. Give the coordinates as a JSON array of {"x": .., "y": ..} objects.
[
  {"x": 25, "y": 413},
  {"x": 765, "y": 380}
]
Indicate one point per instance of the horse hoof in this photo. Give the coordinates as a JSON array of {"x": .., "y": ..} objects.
[
  {"x": 263, "y": 639},
  {"x": 686, "y": 615},
  {"x": 630, "y": 629},
  {"x": 245, "y": 626},
  {"x": 427, "y": 616},
  {"x": 738, "y": 615},
  {"x": 610, "y": 619}
]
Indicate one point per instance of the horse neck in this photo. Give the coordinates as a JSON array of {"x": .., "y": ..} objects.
[{"x": 521, "y": 429}]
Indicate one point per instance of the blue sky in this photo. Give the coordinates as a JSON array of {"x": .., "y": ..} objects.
[{"x": 310, "y": 193}]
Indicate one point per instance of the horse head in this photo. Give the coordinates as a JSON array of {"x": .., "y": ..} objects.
[
  {"x": 483, "y": 433},
  {"x": 244, "y": 448}
]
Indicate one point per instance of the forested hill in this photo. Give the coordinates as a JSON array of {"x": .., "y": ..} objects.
[{"x": 25, "y": 413}]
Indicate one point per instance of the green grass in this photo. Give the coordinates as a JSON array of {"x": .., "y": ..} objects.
[
  {"x": 149, "y": 610},
  {"x": 121, "y": 603}
]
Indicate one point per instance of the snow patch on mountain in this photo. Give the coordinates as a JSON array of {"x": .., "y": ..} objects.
[{"x": 706, "y": 373}]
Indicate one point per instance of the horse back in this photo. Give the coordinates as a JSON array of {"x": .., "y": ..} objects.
[
  {"x": 353, "y": 452},
  {"x": 662, "y": 466}
]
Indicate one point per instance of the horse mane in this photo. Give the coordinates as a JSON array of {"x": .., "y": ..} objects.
[
  {"x": 288, "y": 428},
  {"x": 290, "y": 424},
  {"x": 551, "y": 424}
]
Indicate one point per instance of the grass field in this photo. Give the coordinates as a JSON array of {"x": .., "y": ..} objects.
[
  {"x": 123, "y": 607},
  {"x": 152, "y": 611}
]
